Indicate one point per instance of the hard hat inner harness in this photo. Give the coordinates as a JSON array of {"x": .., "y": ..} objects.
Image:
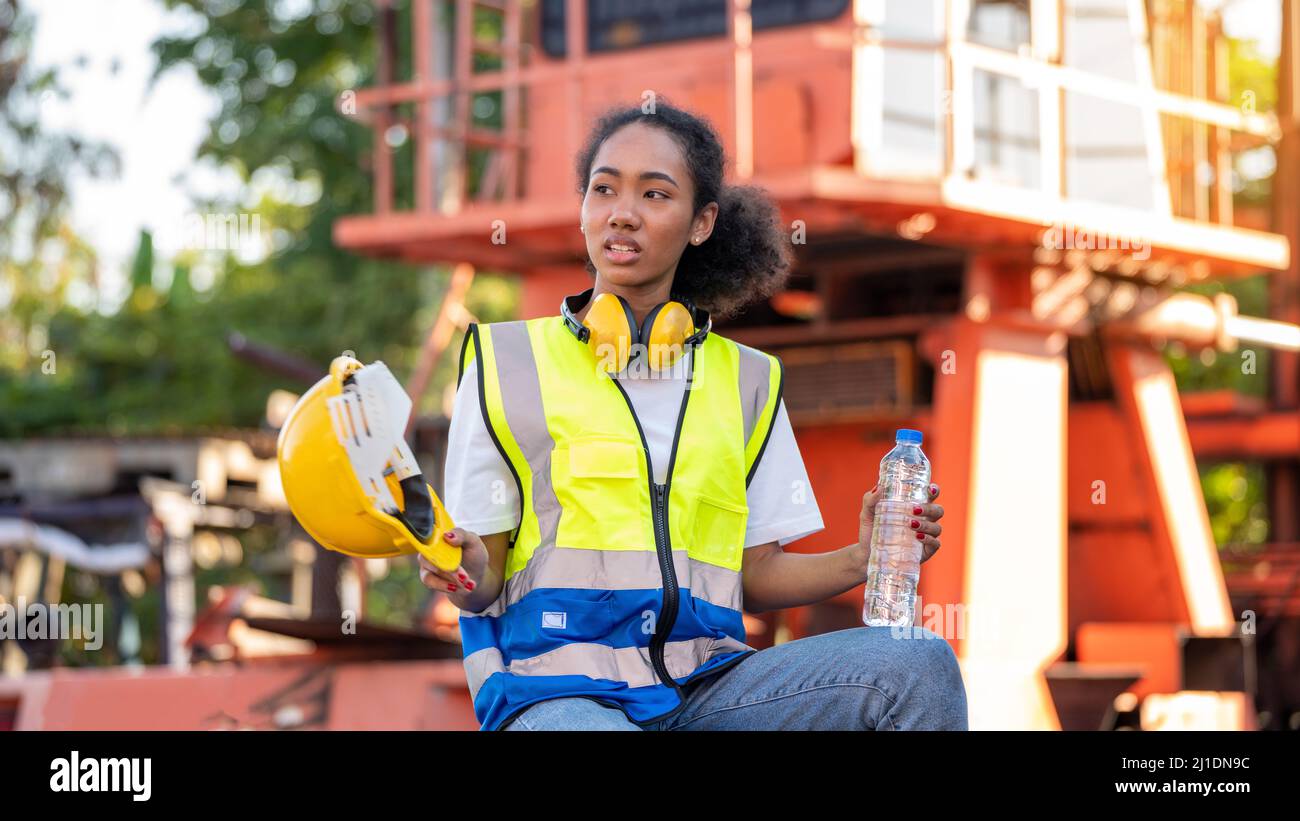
[{"x": 369, "y": 418}]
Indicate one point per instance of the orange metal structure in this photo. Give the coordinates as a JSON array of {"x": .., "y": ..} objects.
[{"x": 285, "y": 694}]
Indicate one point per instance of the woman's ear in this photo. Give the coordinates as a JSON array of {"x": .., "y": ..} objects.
[{"x": 702, "y": 225}]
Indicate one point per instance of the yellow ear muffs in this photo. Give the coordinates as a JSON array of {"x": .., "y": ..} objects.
[
  {"x": 612, "y": 331},
  {"x": 612, "y": 334},
  {"x": 664, "y": 334}
]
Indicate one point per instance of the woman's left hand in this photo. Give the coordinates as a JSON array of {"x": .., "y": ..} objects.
[{"x": 925, "y": 522}]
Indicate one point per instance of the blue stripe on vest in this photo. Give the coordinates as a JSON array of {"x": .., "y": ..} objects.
[
  {"x": 503, "y": 696},
  {"x": 551, "y": 617}
]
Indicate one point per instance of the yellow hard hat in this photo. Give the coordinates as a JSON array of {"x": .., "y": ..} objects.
[{"x": 348, "y": 474}]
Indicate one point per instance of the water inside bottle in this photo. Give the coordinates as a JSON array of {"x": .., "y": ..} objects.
[{"x": 894, "y": 567}]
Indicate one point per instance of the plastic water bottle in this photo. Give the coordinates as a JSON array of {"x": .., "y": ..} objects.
[{"x": 895, "y": 564}]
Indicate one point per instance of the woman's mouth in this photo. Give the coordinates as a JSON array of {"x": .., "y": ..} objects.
[{"x": 620, "y": 254}]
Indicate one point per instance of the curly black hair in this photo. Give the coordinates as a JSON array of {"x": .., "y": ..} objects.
[{"x": 748, "y": 255}]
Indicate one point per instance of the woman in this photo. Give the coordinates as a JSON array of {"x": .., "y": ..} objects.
[{"x": 656, "y": 502}]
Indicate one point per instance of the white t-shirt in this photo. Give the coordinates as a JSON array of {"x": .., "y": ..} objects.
[{"x": 480, "y": 494}]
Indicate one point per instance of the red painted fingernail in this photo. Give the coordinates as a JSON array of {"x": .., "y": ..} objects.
[
  {"x": 917, "y": 511},
  {"x": 915, "y": 524},
  {"x": 469, "y": 585},
  {"x": 451, "y": 588},
  {"x": 921, "y": 536},
  {"x": 462, "y": 576},
  {"x": 874, "y": 489},
  {"x": 448, "y": 537},
  {"x": 934, "y": 490}
]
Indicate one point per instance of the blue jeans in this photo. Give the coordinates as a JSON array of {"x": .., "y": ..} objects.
[{"x": 862, "y": 678}]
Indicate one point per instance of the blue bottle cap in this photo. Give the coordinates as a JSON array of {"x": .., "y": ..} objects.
[{"x": 908, "y": 435}]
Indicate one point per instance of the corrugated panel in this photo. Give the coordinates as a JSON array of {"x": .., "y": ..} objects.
[{"x": 856, "y": 380}]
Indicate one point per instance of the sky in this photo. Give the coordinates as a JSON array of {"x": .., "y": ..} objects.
[
  {"x": 1260, "y": 20},
  {"x": 156, "y": 131}
]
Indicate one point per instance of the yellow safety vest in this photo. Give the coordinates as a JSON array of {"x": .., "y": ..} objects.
[{"x": 617, "y": 588}]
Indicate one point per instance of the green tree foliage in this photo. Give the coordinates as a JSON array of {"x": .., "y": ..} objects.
[
  {"x": 161, "y": 361},
  {"x": 41, "y": 260},
  {"x": 1234, "y": 494}
]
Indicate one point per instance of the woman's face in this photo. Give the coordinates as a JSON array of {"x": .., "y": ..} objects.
[{"x": 640, "y": 195}]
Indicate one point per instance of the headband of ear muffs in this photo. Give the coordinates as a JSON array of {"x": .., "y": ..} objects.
[{"x": 610, "y": 329}]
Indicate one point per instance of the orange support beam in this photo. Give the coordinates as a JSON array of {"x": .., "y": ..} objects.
[
  {"x": 1180, "y": 522},
  {"x": 1264, "y": 436},
  {"x": 1000, "y": 414}
]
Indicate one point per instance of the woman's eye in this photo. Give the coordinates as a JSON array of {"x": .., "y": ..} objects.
[{"x": 601, "y": 188}]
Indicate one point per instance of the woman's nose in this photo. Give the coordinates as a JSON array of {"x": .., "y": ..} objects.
[
  {"x": 624, "y": 214},
  {"x": 622, "y": 218}
]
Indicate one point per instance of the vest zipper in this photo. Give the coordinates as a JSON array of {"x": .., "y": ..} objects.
[
  {"x": 663, "y": 540},
  {"x": 668, "y": 615}
]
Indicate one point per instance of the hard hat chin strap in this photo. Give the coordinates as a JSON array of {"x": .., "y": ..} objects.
[{"x": 418, "y": 515}]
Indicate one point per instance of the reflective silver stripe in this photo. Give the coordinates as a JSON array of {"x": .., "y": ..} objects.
[
  {"x": 754, "y": 383},
  {"x": 627, "y": 664},
  {"x": 480, "y": 665},
  {"x": 709, "y": 582},
  {"x": 585, "y": 569},
  {"x": 521, "y": 397}
]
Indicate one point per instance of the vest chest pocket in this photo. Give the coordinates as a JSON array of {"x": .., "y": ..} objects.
[
  {"x": 718, "y": 532},
  {"x": 602, "y": 489}
]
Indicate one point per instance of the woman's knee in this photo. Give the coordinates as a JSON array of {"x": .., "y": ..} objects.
[
  {"x": 915, "y": 654},
  {"x": 926, "y": 650},
  {"x": 934, "y": 645},
  {"x": 571, "y": 714},
  {"x": 922, "y": 669}
]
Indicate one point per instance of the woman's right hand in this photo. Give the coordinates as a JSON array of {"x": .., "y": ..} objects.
[{"x": 473, "y": 564}]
